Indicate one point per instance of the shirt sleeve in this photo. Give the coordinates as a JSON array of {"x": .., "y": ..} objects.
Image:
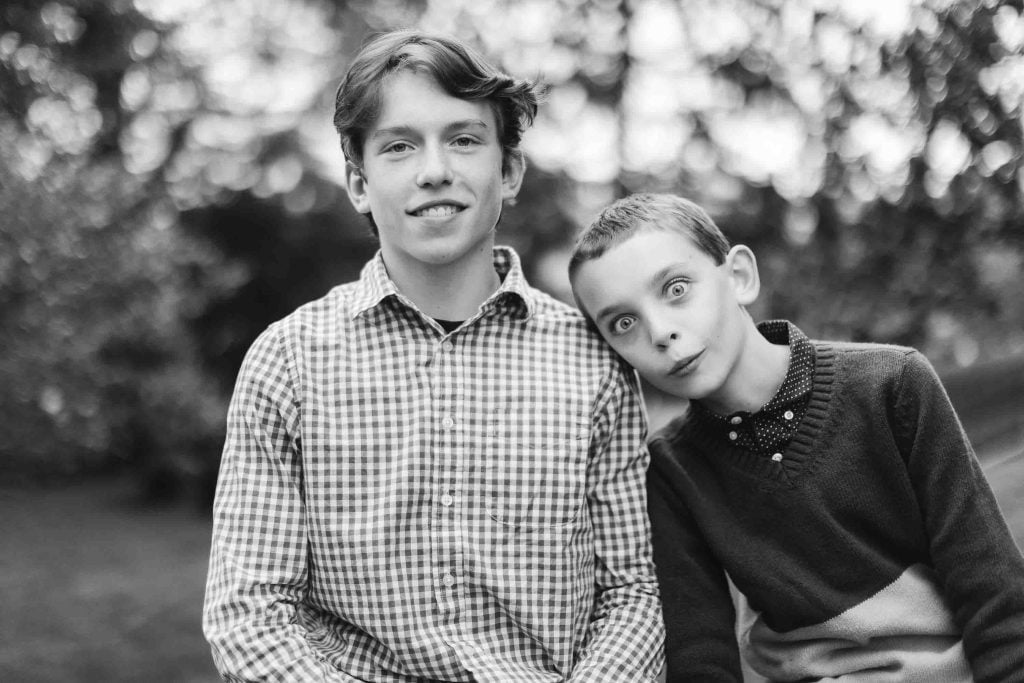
[
  {"x": 626, "y": 633},
  {"x": 258, "y": 565},
  {"x": 700, "y": 636},
  {"x": 979, "y": 566}
]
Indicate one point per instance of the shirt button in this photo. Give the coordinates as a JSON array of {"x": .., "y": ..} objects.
[
  {"x": 733, "y": 436},
  {"x": 447, "y": 500},
  {"x": 448, "y": 580},
  {"x": 447, "y": 422},
  {"x": 736, "y": 420},
  {"x": 777, "y": 457},
  {"x": 788, "y": 415},
  {"x": 447, "y": 347}
]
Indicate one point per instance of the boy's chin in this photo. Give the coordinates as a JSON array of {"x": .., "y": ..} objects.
[{"x": 697, "y": 386}]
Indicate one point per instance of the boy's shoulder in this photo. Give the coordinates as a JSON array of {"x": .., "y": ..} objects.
[
  {"x": 901, "y": 373},
  {"x": 551, "y": 308},
  {"x": 868, "y": 349},
  {"x": 311, "y": 319},
  {"x": 871, "y": 359},
  {"x": 320, "y": 312}
]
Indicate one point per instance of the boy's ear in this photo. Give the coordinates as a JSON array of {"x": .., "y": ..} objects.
[
  {"x": 514, "y": 168},
  {"x": 742, "y": 268},
  {"x": 355, "y": 183}
]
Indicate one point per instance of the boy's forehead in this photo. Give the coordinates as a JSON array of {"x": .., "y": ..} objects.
[
  {"x": 403, "y": 92},
  {"x": 644, "y": 254},
  {"x": 673, "y": 242}
]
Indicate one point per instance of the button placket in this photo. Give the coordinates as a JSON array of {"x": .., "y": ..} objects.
[{"x": 451, "y": 423}]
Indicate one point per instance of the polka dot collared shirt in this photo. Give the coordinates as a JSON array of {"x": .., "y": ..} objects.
[{"x": 768, "y": 431}]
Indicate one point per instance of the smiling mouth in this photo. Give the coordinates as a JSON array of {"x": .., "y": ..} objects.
[
  {"x": 438, "y": 211},
  {"x": 685, "y": 366}
]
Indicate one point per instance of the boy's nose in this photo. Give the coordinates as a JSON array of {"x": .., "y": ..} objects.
[
  {"x": 435, "y": 169},
  {"x": 663, "y": 336}
]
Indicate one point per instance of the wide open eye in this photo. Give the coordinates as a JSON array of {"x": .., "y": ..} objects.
[
  {"x": 622, "y": 324},
  {"x": 677, "y": 288}
]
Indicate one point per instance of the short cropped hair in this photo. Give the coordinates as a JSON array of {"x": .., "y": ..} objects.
[
  {"x": 627, "y": 216},
  {"x": 458, "y": 69}
]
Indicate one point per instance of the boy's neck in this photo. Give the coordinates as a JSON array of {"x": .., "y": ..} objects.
[
  {"x": 450, "y": 291},
  {"x": 759, "y": 372}
]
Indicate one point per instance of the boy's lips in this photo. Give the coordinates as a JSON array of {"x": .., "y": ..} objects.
[
  {"x": 684, "y": 366},
  {"x": 437, "y": 209}
]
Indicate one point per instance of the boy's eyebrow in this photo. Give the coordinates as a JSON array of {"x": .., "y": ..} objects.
[
  {"x": 660, "y": 275},
  {"x": 410, "y": 130},
  {"x": 605, "y": 312},
  {"x": 467, "y": 123}
]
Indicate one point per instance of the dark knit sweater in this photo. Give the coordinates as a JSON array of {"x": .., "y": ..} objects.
[{"x": 875, "y": 544}]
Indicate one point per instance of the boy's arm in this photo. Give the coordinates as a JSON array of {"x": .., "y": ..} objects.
[
  {"x": 626, "y": 634},
  {"x": 980, "y": 568},
  {"x": 258, "y": 565},
  {"x": 700, "y": 636}
]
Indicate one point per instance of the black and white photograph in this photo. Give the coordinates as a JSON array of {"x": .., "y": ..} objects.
[{"x": 511, "y": 341}]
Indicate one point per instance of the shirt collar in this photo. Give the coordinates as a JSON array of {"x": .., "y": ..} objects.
[
  {"x": 513, "y": 296},
  {"x": 796, "y": 386}
]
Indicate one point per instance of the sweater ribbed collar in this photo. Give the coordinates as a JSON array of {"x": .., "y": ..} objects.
[{"x": 705, "y": 431}]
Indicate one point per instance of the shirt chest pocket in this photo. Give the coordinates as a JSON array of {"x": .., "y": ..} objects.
[{"x": 536, "y": 472}]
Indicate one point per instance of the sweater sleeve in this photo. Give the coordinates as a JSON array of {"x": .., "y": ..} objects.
[
  {"x": 979, "y": 566},
  {"x": 700, "y": 642}
]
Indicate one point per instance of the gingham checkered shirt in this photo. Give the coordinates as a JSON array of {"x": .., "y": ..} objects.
[{"x": 399, "y": 504}]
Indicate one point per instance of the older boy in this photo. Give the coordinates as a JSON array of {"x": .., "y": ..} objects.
[
  {"x": 435, "y": 473},
  {"x": 831, "y": 481}
]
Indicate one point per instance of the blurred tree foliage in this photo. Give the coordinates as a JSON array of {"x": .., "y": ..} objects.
[
  {"x": 168, "y": 182},
  {"x": 870, "y": 153},
  {"x": 94, "y": 361}
]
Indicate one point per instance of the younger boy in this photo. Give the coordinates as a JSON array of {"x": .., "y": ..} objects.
[{"x": 831, "y": 481}]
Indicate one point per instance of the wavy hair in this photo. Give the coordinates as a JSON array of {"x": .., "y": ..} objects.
[{"x": 458, "y": 69}]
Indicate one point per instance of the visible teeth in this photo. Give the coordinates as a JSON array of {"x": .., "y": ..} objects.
[{"x": 438, "y": 211}]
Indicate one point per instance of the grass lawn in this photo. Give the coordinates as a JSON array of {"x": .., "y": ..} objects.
[{"x": 94, "y": 587}]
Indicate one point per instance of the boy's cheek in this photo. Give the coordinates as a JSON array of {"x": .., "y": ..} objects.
[{"x": 629, "y": 353}]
